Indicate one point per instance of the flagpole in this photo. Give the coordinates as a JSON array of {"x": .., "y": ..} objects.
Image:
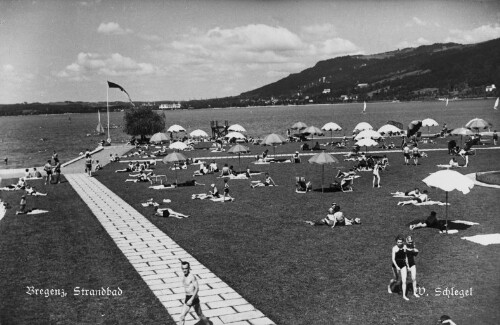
[{"x": 107, "y": 110}]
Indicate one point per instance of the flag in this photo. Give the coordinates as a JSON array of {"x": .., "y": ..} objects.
[{"x": 113, "y": 85}]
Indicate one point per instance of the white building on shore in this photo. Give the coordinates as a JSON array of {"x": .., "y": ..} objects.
[{"x": 170, "y": 106}]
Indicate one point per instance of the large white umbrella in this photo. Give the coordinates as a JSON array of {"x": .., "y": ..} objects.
[
  {"x": 478, "y": 123},
  {"x": 429, "y": 122},
  {"x": 299, "y": 126},
  {"x": 322, "y": 159},
  {"x": 449, "y": 180},
  {"x": 272, "y": 140},
  {"x": 237, "y": 128},
  {"x": 389, "y": 128},
  {"x": 176, "y": 128},
  {"x": 461, "y": 132},
  {"x": 236, "y": 135},
  {"x": 366, "y": 142},
  {"x": 368, "y": 134},
  {"x": 178, "y": 145},
  {"x": 198, "y": 134},
  {"x": 331, "y": 126},
  {"x": 362, "y": 126},
  {"x": 158, "y": 137}
]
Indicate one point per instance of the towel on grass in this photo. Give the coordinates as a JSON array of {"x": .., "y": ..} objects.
[
  {"x": 484, "y": 240},
  {"x": 9, "y": 189},
  {"x": 221, "y": 199},
  {"x": 431, "y": 203},
  {"x": 34, "y": 211}
]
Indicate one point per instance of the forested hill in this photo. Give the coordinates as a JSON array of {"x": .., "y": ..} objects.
[{"x": 441, "y": 69}]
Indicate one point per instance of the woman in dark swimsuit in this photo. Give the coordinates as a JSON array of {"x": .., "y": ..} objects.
[
  {"x": 399, "y": 266},
  {"x": 411, "y": 252}
]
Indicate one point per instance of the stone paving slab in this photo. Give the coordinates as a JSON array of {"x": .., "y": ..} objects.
[{"x": 156, "y": 257}]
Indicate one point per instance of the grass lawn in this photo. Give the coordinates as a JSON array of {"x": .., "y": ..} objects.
[
  {"x": 64, "y": 249},
  {"x": 260, "y": 246},
  {"x": 298, "y": 274}
]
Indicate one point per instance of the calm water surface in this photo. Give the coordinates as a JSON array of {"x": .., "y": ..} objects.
[{"x": 29, "y": 140}]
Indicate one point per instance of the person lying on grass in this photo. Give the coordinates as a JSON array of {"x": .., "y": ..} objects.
[
  {"x": 174, "y": 185},
  {"x": 342, "y": 174},
  {"x": 32, "y": 191},
  {"x": 141, "y": 177},
  {"x": 431, "y": 221},
  {"x": 130, "y": 168},
  {"x": 202, "y": 171},
  {"x": 418, "y": 199},
  {"x": 334, "y": 218},
  {"x": 167, "y": 212},
  {"x": 20, "y": 185},
  {"x": 212, "y": 194},
  {"x": 414, "y": 193},
  {"x": 267, "y": 182}
]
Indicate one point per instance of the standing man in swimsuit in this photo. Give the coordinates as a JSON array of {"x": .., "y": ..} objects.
[{"x": 191, "y": 287}]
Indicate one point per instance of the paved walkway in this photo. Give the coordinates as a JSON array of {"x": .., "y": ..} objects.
[{"x": 156, "y": 258}]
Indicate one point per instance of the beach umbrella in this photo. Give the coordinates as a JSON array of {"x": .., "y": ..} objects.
[
  {"x": 158, "y": 137},
  {"x": 413, "y": 128},
  {"x": 272, "y": 140},
  {"x": 236, "y": 135},
  {"x": 298, "y": 126},
  {"x": 461, "y": 132},
  {"x": 478, "y": 123},
  {"x": 322, "y": 159},
  {"x": 312, "y": 130},
  {"x": 362, "y": 126},
  {"x": 237, "y": 128},
  {"x": 389, "y": 128},
  {"x": 198, "y": 134},
  {"x": 449, "y": 180},
  {"x": 366, "y": 142},
  {"x": 368, "y": 134},
  {"x": 239, "y": 149},
  {"x": 429, "y": 122},
  {"x": 178, "y": 145},
  {"x": 176, "y": 128},
  {"x": 331, "y": 126},
  {"x": 174, "y": 157}
]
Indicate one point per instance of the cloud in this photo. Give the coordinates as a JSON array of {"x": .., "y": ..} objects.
[
  {"x": 112, "y": 28},
  {"x": 476, "y": 35},
  {"x": 90, "y": 64},
  {"x": 419, "y": 42},
  {"x": 419, "y": 22},
  {"x": 270, "y": 50}
]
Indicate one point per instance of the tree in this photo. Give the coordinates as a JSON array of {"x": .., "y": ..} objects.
[{"x": 143, "y": 121}]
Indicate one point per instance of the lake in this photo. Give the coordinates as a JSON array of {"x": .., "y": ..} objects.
[{"x": 29, "y": 140}]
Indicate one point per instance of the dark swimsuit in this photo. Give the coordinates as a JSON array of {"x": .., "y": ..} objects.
[
  {"x": 411, "y": 259},
  {"x": 400, "y": 258},
  {"x": 196, "y": 300}
]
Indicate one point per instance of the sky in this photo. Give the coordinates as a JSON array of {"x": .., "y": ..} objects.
[{"x": 182, "y": 50}]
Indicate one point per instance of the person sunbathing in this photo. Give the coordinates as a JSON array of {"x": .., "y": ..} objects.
[
  {"x": 32, "y": 191},
  {"x": 342, "y": 174},
  {"x": 267, "y": 182},
  {"x": 418, "y": 199},
  {"x": 414, "y": 193},
  {"x": 20, "y": 185},
  {"x": 167, "y": 212},
  {"x": 141, "y": 177},
  {"x": 129, "y": 169},
  {"x": 225, "y": 171},
  {"x": 430, "y": 221},
  {"x": 202, "y": 171},
  {"x": 334, "y": 218}
]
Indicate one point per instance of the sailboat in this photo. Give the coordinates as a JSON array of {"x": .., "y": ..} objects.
[
  {"x": 99, "y": 129},
  {"x": 364, "y": 108},
  {"x": 446, "y": 101},
  {"x": 496, "y": 103}
]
